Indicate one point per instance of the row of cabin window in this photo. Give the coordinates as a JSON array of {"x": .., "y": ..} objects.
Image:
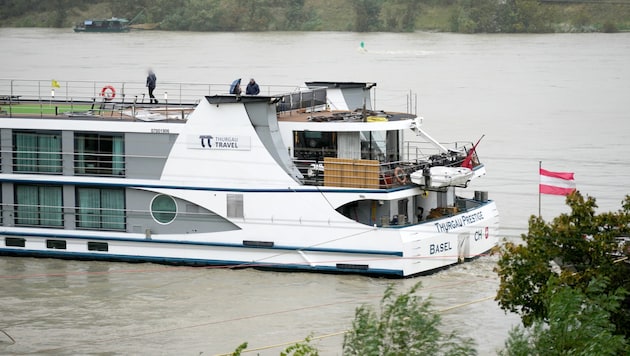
[
  {"x": 94, "y": 154},
  {"x": 55, "y": 244},
  {"x": 96, "y": 208}
]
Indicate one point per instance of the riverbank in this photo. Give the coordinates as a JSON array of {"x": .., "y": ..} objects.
[{"x": 484, "y": 16}]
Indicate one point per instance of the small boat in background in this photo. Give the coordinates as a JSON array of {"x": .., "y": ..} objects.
[{"x": 113, "y": 24}]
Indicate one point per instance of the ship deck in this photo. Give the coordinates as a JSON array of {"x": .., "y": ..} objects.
[
  {"x": 164, "y": 112},
  {"x": 98, "y": 111}
]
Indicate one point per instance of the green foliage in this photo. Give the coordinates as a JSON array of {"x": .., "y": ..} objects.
[
  {"x": 400, "y": 15},
  {"x": 301, "y": 349},
  {"x": 239, "y": 349},
  {"x": 578, "y": 323},
  {"x": 405, "y": 326},
  {"x": 466, "y": 16},
  {"x": 509, "y": 16},
  {"x": 366, "y": 14},
  {"x": 609, "y": 27},
  {"x": 577, "y": 248},
  {"x": 296, "y": 15}
]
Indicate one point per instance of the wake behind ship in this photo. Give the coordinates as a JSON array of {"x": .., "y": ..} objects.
[{"x": 315, "y": 179}]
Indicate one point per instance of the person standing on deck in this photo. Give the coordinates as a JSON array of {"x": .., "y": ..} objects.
[
  {"x": 252, "y": 88},
  {"x": 151, "y": 82}
]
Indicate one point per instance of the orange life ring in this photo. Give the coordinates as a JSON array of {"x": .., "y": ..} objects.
[
  {"x": 108, "y": 92},
  {"x": 401, "y": 176}
]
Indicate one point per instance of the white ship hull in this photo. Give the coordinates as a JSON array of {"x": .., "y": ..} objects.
[
  {"x": 217, "y": 186},
  {"x": 379, "y": 251}
]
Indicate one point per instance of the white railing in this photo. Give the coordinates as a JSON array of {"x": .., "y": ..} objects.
[{"x": 119, "y": 92}]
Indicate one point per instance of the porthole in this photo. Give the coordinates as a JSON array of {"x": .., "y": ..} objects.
[{"x": 163, "y": 209}]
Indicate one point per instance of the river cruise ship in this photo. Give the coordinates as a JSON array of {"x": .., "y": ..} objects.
[{"x": 312, "y": 178}]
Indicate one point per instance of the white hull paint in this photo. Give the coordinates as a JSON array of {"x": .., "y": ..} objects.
[
  {"x": 324, "y": 247},
  {"x": 230, "y": 151}
]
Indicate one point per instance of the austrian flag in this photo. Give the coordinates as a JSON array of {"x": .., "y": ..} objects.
[{"x": 558, "y": 183}]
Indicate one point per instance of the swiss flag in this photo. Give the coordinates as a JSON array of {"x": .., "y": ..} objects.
[{"x": 468, "y": 161}]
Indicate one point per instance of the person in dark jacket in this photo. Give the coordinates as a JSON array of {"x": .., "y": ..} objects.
[
  {"x": 252, "y": 88},
  {"x": 151, "y": 82}
]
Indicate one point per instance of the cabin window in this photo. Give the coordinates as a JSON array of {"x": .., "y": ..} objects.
[
  {"x": 56, "y": 244},
  {"x": 163, "y": 209},
  {"x": 97, "y": 246},
  {"x": 14, "y": 242},
  {"x": 37, "y": 152},
  {"x": 99, "y": 154},
  {"x": 314, "y": 145},
  {"x": 100, "y": 208},
  {"x": 38, "y": 205}
]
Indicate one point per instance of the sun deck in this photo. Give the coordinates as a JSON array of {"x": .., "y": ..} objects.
[
  {"x": 110, "y": 111},
  {"x": 302, "y": 115}
]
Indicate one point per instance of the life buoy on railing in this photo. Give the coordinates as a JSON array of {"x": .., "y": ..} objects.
[
  {"x": 401, "y": 176},
  {"x": 108, "y": 92}
]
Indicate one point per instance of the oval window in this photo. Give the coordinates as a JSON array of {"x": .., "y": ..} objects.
[{"x": 163, "y": 209}]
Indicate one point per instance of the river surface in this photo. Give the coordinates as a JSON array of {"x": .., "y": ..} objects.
[{"x": 557, "y": 98}]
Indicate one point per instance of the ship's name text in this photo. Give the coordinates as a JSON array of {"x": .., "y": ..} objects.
[{"x": 458, "y": 222}]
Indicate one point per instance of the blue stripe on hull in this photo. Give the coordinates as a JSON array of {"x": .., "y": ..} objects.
[
  {"x": 195, "y": 262},
  {"x": 210, "y": 189},
  {"x": 213, "y": 244}
]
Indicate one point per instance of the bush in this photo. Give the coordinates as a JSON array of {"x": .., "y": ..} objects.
[{"x": 405, "y": 326}]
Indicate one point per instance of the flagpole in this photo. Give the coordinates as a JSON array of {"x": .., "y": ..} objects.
[{"x": 539, "y": 168}]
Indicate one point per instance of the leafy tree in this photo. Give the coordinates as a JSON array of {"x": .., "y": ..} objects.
[
  {"x": 295, "y": 14},
  {"x": 301, "y": 349},
  {"x": 576, "y": 247},
  {"x": 577, "y": 324},
  {"x": 400, "y": 15},
  {"x": 404, "y": 326},
  {"x": 491, "y": 16},
  {"x": 367, "y": 14},
  {"x": 239, "y": 349},
  {"x": 524, "y": 16},
  {"x": 476, "y": 16}
]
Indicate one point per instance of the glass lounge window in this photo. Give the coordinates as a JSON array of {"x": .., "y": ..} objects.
[
  {"x": 314, "y": 144},
  {"x": 380, "y": 145},
  {"x": 101, "y": 208},
  {"x": 99, "y": 154},
  {"x": 38, "y": 205},
  {"x": 37, "y": 152}
]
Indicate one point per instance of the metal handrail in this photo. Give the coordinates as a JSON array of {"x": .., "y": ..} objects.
[{"x": 15, "y": 90}]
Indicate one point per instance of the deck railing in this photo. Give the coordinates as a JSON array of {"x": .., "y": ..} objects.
[
  {"x": 14, "y": 90},
  {"x": 173, "y": 93},
  {"x": 375, "y": 174}
]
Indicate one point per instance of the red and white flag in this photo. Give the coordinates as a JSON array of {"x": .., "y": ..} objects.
[
  {"x": 468, "y": 161},
  {"x": 558, "y": 183}
]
